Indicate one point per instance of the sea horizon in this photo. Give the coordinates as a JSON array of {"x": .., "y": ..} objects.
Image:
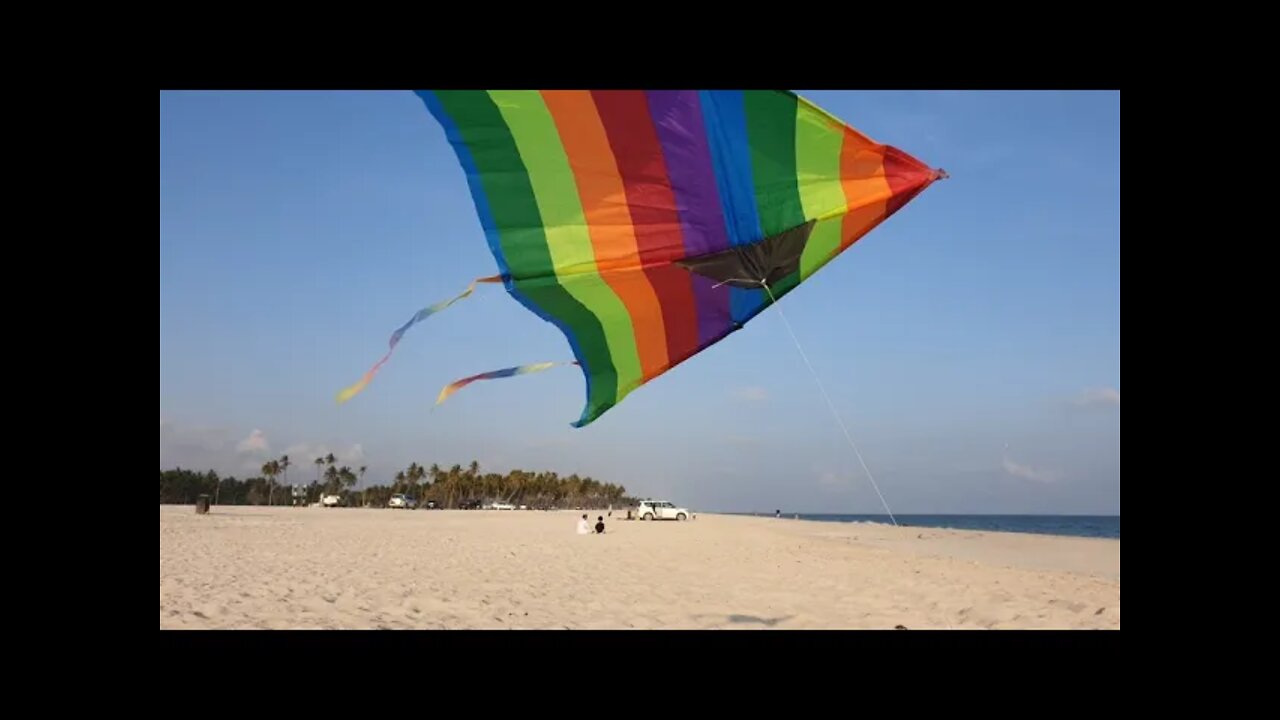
[{"x": 1096, "y": 526}]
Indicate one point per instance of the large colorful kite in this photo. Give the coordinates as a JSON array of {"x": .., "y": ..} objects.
[{"x": 649, "y": 225}]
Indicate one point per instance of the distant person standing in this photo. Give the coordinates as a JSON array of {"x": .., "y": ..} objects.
[{"x": 777, "y": 513}]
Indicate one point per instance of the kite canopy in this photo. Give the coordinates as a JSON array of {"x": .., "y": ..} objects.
[{"x": 646, "y": 224}]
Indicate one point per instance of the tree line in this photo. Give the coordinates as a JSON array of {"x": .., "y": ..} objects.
[{"x": 449, "y": 488}]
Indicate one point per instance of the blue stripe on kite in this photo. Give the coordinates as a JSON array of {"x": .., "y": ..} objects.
[
  {"x": 745, "y": 304},
  {"x": 725, "y": 116},
  {"x": 491, "y": 233},
  {"x": 473, "y": 178}
]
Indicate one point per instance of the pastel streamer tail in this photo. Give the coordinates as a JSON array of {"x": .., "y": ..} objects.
[
  {"x": 457, "y": 385},
  {"x": 418, "y": 317}
]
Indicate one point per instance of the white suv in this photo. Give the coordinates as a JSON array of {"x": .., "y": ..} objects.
[
  {"x": 401, "y": 501},
  {"x": 661, "y": 510}
]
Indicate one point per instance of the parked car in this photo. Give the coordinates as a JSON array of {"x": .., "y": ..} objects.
[
  {"x": 331, "y": 500},
  {"x": 402, "y": 501},
  {"x": 661, "y": 510}
]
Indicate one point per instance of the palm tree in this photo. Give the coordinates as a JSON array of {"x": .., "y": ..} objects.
[
  {"x": 452, "y": 478},
  {"x": 534, "y": 489},
  {"x": 364, "y": 491},
  {"x": 284, "y": 467},
  {"x": 416, "y": 474},
  {"x": 435, "y": 485},
  {"x": 411, "y": 479},
  {"x": 330, "y": 461},
  {"x": 270, "y": 469},
  {"x": 473, "y": 482},
  {"x": 319, "y": 464},
  {"x": 573, "y": 489},
  {"x": 399, "y": 481},
  {"x": 346, "y": 478},
  {"x": 555, "y": 487}
]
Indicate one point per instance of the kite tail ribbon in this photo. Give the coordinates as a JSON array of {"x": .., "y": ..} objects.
[
  {"x": 418, "y": 317},
  {"x": 457, "y": 385}
]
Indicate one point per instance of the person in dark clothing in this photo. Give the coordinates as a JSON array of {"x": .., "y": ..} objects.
[{"x": 600, "y": 525}]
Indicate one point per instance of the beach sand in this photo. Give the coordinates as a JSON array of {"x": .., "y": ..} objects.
[{"x": 255, "y": 567}]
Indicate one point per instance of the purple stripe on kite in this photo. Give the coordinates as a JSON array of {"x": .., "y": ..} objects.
[
  {"x": 677, "y": 116},
  {"x": 714, "y": 318}
]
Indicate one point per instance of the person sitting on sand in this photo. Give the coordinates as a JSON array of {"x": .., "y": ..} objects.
[
  {"x": 600, "y": 525},
  {"x": 583, "y": 528}
]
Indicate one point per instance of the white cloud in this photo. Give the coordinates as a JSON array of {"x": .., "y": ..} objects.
[
  {"x": 214, "y": 448},
  {"x": 751, "y": 393},
  {"x": 255, "y": 444},
  {"x": 831, "y": 479},
  {"x": 1099, "y": 397},
  {"x": 1027, "y": 472}
]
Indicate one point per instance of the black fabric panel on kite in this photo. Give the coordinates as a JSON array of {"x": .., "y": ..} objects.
[{"x": 745, "y": 266}]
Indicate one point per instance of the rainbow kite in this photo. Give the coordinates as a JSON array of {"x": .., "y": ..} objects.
[{"x": 648, "y": 225}]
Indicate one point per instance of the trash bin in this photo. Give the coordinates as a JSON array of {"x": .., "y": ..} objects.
[{"x": 202, "y": 504}]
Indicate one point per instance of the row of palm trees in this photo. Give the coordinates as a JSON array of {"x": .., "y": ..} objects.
[
  {"x": 329, "y": 476},
  {"x": 449, "y": 488},
  {"x": 457, "y": 486}
]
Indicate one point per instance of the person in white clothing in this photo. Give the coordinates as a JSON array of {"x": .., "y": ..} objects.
[{"x": 583, "y": 527}]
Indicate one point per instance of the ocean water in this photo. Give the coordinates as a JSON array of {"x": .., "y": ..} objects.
[{"x": 1098, "y": 526}]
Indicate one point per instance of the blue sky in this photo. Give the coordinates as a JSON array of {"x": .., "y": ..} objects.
[{"x": 972, "y": 342}]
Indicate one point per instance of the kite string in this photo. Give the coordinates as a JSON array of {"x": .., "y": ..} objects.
[{"x": 830, "y": 405}]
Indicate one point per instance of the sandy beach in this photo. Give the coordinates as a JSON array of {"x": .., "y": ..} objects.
[{"x": 257, "y": 567}]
